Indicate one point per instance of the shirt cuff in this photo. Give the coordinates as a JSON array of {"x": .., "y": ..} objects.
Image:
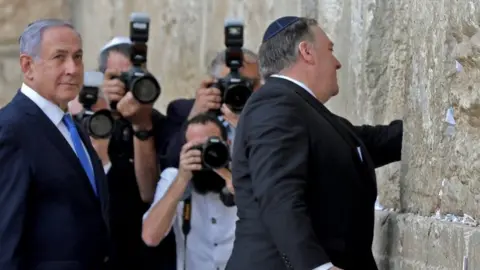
[
  {"x": 324, "y": 266},
  {"x": 107, "y": 167}
]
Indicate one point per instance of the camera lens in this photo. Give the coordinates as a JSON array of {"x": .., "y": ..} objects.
[
  {"x": 101, "y": 124},
  {"x": 236, "y": 97},
  {"x": 216, "y": 155},
  {"x": 145, "y": 90}
]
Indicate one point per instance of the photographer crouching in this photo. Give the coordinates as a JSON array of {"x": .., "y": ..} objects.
[
  {"x": 138, "y": 135},
  {"x": 197, "y": 199},
  {"x": 233, "y": 75}
]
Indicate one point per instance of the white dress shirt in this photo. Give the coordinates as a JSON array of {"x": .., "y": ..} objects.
[
  {"x": 210, "y": 240},
  {"x": 302, "y": 85},
  {"x": 54, "y": 113},
  {"x": 295, "y": 82}
]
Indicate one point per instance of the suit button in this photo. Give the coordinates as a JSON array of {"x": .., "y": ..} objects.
[
  {"x": 106, "y": 259},
  {"x": 214, "y": 221}
]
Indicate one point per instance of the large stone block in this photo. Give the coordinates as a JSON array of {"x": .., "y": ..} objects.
[
  {"x": 407, "y": 241},
  {"x": 10, "y": 78},
  {"x": 16, "y": 15},
  {"x": 441, "y": 168}
]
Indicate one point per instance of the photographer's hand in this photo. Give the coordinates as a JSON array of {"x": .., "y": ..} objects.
[
  {"x": 101, "y": 147},
  {"x": 226, "y": 174},
  {"x": 206, "y": 98},
  {"x": 140, "y": 115},
  {"x": 190, "y": 160},
  {"x": 145, "y": 153},
  {"x": 230, "y": 116},
  {"x": 113, "y": 88}
]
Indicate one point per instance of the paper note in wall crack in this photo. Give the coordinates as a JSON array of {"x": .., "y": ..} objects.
[
  {"x": 458, "y": 66},
  {"x": 449, "y": 117}
]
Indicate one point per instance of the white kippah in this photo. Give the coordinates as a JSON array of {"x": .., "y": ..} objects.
[{"x": 116, "y": 41}]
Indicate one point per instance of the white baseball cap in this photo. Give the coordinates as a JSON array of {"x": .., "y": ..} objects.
[{"x": 116, "y": 41}]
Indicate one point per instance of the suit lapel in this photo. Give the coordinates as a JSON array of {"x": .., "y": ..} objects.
[
  {"x": 41, "y": 124},
  {"x": 99, "y": 173}
]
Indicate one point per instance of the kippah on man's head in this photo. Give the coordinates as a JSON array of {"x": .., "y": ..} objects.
[
  {"x": 115, "y": 42},
  {"x": 278, "y": 26}
]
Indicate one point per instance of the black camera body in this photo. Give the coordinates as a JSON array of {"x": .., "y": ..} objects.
[
  {"x": 143, "y": 85},
  {"x": 235, "y": 88},
  {"x": 235, "y": 91},
  {"x": 215, "y": 153},
  {"x": 99, "y": 124}
]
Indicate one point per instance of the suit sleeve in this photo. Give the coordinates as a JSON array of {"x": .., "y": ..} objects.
[
  {"x": 278, "y": 153},
  {"x": 14, "y": 183},
  {"x": 383, "y": 142}
]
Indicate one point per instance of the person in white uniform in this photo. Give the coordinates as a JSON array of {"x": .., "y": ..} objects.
[{"x": 196, "y": 202}]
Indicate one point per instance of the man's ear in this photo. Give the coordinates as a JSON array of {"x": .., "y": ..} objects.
[
  {"x": 26, "y": 64},
  {"x": 305, "y": 50}
]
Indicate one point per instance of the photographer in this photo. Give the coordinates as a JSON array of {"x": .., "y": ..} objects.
[
  {"x": 208, "y": 98},
  {"x": 135, "y": 164},
  {"x": 100, "y": 145},
  {"x": 140, "y": 116},
  {"x": 196, "y": 199}
]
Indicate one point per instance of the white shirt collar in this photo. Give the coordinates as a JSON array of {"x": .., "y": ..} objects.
[
  {"x": 295, "y": 82},
  {"x": 53, "y": 112}
]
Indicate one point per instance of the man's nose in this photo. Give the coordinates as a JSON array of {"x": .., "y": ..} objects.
[
  {"x": 339, "y": 65},
  {"x": 73, "y": 66}
]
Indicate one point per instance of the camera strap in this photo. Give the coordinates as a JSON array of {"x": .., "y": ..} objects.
[{"x": 186, "y": 226}]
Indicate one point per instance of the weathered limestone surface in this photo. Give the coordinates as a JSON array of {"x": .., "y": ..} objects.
[
  {"x": 441, "y": 172},
  {"x": 14, "y": 17},
  {"x": 398, "y": 62},
  {"x": 408, "y": 242}
]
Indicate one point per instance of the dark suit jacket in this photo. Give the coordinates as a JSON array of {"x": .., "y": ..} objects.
[
  {"x": 304, "y": 195},
  {"x": 50, "y": 218}
]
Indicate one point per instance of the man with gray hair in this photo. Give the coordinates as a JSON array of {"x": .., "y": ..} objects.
[
  {"x": 53, "y": 194},
  {"x": 304, "y": 178}
]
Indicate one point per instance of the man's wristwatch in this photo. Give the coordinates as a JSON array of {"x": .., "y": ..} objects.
[{"x": 143, "y": 135}]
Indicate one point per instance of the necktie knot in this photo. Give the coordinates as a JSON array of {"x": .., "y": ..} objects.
[{"x": 68, "y": 121}]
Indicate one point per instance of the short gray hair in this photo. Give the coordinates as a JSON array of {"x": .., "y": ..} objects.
[
  {"x": 122, "y": 48},
  {"x": 215, "y": 67},
  {"x": 281, "y": 51},
  {"x": 31, "y": 38}
]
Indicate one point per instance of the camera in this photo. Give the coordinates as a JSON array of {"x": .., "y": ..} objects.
[
  {"x": 235, "y": 88},
  {"x": 99, "y": 124},
  {"x": 143, "y": 85},
  {"x": 215, "y": 153}
]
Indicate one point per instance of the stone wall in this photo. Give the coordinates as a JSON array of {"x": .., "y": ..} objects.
[{"x": 399, "y": 61}]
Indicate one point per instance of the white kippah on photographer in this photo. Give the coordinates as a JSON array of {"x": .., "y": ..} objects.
[{"x": 115, "y": 42}]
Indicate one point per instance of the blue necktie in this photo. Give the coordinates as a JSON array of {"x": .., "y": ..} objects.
[{"x": 81, "y": 153}]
